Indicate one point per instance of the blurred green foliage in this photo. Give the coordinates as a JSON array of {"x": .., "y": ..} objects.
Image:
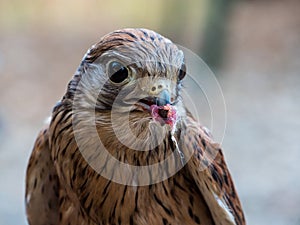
[
  {"x": 195, "y": 24},
  {"x": 214, "y": 41}
]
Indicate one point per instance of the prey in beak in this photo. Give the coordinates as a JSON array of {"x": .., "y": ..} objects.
[{"x": 160, "y": 107}]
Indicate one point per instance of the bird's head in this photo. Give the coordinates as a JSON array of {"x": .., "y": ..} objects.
[
  {"x": 130, "y": 80},
  {"x": 132, "y": 70}
]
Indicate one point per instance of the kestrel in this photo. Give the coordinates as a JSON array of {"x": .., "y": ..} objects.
[{"x": 121, "y": 147}]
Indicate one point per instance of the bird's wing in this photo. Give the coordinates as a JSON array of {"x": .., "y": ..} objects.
[
  {"x": 42, "y": 186},
  {"x": 209, "y": 170}
]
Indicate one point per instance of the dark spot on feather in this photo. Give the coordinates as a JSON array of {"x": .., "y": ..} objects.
[
  {"x": 73, "y": 155},
  {"x": 165, "y": 189},
  {"x": 203, "y": 142},
  {"x": 206, "y": 185},
  {"x": 165, "y": 221},
  {"x": 191, "y": 214},
  {"x": 145, "y": 33},
  {"x": 35, "y": 182},
  {"x": 124, "y": 193},
  {"x": 197, "y": 219},
  {"x": 191, "y": 199},
  {"x": 83, "y": 184},
  {"x": 233, "y": 194},
  {"x": 131, "y": 220},
  {"x": 88, "y": 209},
  {"x": 121, "y": 40},
  {"x": 106, "y": 187},
  {"x": 136, "y": 201},
  {"x": 178, "y": 185},
  {"x": 112, "y": 217},
  {"x": 56, "y": 193},
  {"x": 83, "y": 171},
  {"x": 65, "y": 148},
  {"x": 61, "y": 200},
  {"x": 103, "y": 200},
  {"x": 128, "y": 33},
  {"x": 226, "y": 179},
  {"x": 167, "y": 210},
  {"x": 84, "y": 199},
  {"x": 49, "y": 205}
]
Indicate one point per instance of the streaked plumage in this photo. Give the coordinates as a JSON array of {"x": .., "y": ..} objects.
[{"x": 63, "y": 185}]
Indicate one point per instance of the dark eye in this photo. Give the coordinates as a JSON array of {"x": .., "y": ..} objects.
[
  {"x": 117, "y": 72},
  {"x": 182, "y": 72}
]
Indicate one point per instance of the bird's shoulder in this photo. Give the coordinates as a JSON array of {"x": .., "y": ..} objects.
[
  {"x": 42, "y": 185},
  {"x": 211, "y": 174}
]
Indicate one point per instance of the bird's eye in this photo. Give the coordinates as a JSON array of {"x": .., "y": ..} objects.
[
  {"x": 182, "y": 72},
  {"x": 117, "y": 72}
]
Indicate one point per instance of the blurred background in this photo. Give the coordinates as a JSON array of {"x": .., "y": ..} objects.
[{"x": 253, "y": 47}]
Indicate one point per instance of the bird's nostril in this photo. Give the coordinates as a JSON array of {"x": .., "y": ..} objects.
[
  {"x": 160, "y": 86},
  {"x": 153, "y": 88}
]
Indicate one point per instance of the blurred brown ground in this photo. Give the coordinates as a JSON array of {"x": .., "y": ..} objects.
[{"x": 42, "y": 42}]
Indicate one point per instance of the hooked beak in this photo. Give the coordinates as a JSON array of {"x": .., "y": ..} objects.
[
  {"x": 163, "y": 98},
  {"x": 160, "y": 107}
]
